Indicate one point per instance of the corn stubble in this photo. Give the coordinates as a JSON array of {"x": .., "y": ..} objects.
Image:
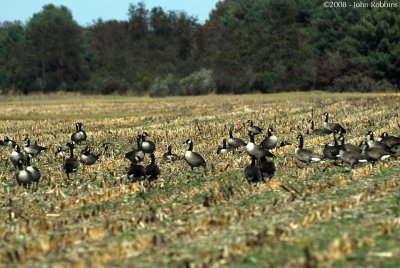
[{"x": 185, "y": 219}]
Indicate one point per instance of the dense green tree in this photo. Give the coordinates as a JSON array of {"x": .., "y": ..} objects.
[{"x": 53, "y": 40}]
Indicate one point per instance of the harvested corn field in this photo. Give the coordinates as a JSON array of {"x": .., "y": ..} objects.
[{"x": 307, "y": 214}]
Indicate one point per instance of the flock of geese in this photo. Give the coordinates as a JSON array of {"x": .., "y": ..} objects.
[{"x": 262, "y": 166}]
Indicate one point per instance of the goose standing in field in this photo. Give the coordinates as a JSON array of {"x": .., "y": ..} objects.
[
  {"x": 136, "y": 172},
  {"x": 390, "y": 141},
  {"x": 7, "y": 142},
  {"x": 255, "y": 150},
  {"x": 17, "y": 155},
  {"x": 351, "y": 157},
  {"x": 331, "y": 152},
  {"x": 271, "y": 141},
  {"x": 33, "y": 149},
  {"x": 148, "y": 147},
  {"x": 152, "y": 170},
  {"x": 374, "y": 154},
  {"x": 79, "y": 135},
  {"x": 23, "y": 176},
  {"x": 252, "y": 173},
  {"x": 223, "y": 149},
  {"x": 267, "y": 168},
  {"x": 347, "y": 146},
  {"x": 235, "y": 143},
  {"x": 318, "y": 131},
  {"x": 334, "y": 127},
  {"x": 137, "y": 152},
  {"x": 306, "y": 155},
  {"x": 169, "y": 156},
  {"x": 372, "y": 143},
  {"x": 193, "y": 159},
  {"x": 251, "y": 127},
  {"x": 33, "y": 170},
  {"x": 71, "y": 164},
  {"x": 87, "y": 158}
]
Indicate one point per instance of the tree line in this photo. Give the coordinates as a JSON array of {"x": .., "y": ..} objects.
[{"x": 244, "y": 46}]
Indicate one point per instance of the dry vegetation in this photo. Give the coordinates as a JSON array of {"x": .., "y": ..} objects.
[{"x": 303, "y": 217}]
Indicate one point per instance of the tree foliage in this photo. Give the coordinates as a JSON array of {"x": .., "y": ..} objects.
[{"x": 245, "y": 46}]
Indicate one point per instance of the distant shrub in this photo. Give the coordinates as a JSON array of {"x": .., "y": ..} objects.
[
  {"x": 162, "y": 87},
  {"x": 197, "y": 83},
  {"x": 360, "y": 83}
]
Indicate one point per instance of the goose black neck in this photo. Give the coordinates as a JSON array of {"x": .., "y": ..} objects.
[
  {"x": 312, "y": 124},
  {"x": 77, "y": 127},
  {"x": 71, "y": 151},
  {"x": 153, "y": 159},
  {"x": 371, "y": 136},
  {"x": 335, "y": 140},
  {"x": 231, "y": 134},
  {"x": 251, "y": 135},
  {"x": 20, "y": 165},
  {"x": 138, "y": 139},
  {"x": 27, "y": 142},
  {"x": 28, "y": 161},
  {"x": 169, "y": 150},
  {"x": 190, "y": 146},
  {"x": 224, "y": 144},
  {"x": 269, "y": 132},
  {"x": 301, "y": 142},
  {"x": 253, "y": 161},
  {"x": 326, "y": 117}
]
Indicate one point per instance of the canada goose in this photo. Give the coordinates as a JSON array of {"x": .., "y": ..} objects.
[
  {"x": 267, "y": 168},
  {"x": 79, "y": 135},
  {"x": 169, "y": 156},
  {"x": 152, "y": 170},
  {"x": 252, "y": 173},
  {"x": 372, "y": 143},
  {"x": 7, "y": 142},
  {"x": 335, "y": 127},
  {"x": 136, "y": 172},
  {"x": 351, "y": 157},
  {"x": 88, "y": 158},
  {"x": 251, "y": 127},
  {"x": 318, "y": 131},
  {"x": 306, "y": 155},
  {"x": 192, "y": 158},
  {"x": 223, "y": 149},
  {"x": 331, "y": 152},
  {"x": 390, "y": 141},
  {"x": 137, "y": 152},
  {"x": 374, "y": 154},
  {"x": 255, "y": 150},
  {"x": 347, "y": 146},
  {"x": 33, "y": 170},
  {"x": 61, "y": 152},
  {"x": 148, "y": 147},
  {"x": 23, "y": 176},
  {"x": 270, "y": 141},
  {"x": 71, "y": 164},
  {"x": 17, "y": 155},
  {"x": 32, "y": 149},
  {"x": 235, "y": 142}
]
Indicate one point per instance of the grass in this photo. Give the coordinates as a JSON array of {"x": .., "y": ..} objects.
[{"x": 328, "y": 218}]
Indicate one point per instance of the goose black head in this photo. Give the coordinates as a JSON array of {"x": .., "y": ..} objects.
[
  {"x": 188, "y": 142},
  {"x": 384, "y": 134},
  {"x": 17, "y": 148},
  {"x": 145, "y": 134},
  {"x": 250, "y": 122},
  {"x": 270, "y": 131},
  {"x": 27, "y": 142}
]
